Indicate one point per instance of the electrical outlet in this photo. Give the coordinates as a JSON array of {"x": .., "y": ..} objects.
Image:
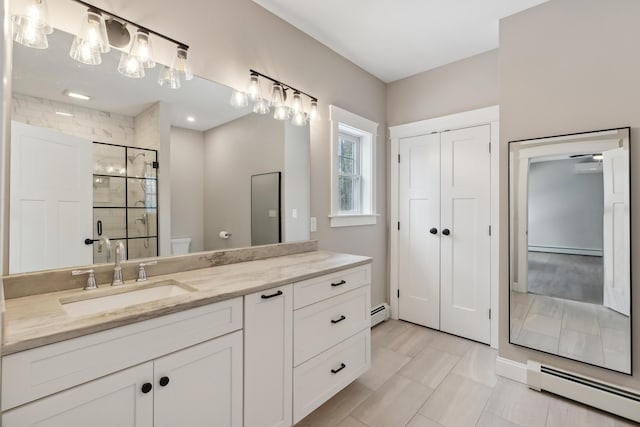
[
  {"x": 294, "y": 213},
  {"x": 313, "y": 224}
]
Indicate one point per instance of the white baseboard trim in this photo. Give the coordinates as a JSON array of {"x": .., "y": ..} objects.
[{"x": 512, "y": 370}]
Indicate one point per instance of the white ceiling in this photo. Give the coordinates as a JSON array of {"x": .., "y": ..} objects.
[{"x": 394, "y": 39}]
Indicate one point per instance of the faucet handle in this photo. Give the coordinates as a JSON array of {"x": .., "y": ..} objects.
[
  {"x": 142, "y": 274},
  {"x": 91, "y": 280}
]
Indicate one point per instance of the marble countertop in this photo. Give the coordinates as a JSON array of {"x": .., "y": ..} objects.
[{"x": 37, "y": 320}]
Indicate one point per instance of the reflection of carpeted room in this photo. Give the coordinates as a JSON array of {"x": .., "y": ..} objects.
[{"x": 574, "y": 277}]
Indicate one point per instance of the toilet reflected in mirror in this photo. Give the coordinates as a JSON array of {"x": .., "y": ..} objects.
[{"x": 570, "y": 247}]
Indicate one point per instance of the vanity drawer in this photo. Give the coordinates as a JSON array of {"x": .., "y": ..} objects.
[
  {"x": 322, "y": 325},
  {"x": 319, "y": 288},
  {"x": 317, "y": 380},
  {"x": 35, "y": 373}
]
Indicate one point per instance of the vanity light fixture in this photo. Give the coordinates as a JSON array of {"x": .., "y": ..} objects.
[
  {"x": 277, "y": 100},
  {"x": 31, "y": 24},
  {"x": 99, "y": 30}
]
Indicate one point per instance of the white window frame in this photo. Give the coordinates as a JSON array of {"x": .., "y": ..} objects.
[{"x": 343, "y": 121}]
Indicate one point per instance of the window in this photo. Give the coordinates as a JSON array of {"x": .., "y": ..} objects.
[{"x": 352, "y": 169}]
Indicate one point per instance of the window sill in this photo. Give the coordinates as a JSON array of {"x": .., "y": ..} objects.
[{"x": 353, "y": 220}]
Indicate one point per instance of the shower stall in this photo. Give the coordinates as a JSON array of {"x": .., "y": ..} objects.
[{"x": 125, "y": 200}]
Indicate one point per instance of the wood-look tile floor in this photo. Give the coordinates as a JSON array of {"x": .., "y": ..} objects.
[{"x": 424, "y": 378}]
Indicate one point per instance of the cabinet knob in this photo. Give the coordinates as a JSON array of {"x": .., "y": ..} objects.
[
  {"x": 146, "y": 388},
  {"x": 446, "y": 232},
  {"x": 164, "y": 381},
  {"x": 433, "y": 230}
]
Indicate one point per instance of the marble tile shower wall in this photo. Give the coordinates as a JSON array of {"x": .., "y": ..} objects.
[
  {"x": 147, "y": 128},
  {"x": 87, "y": 123}
]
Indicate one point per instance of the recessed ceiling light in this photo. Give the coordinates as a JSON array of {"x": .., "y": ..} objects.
[
  {"x": 62, "y": 113},
  {"x": 77, "y": 95},
  {"x": 191, "y": 119}
]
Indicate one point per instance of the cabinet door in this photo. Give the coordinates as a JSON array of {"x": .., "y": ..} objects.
[
  {"x": 114, "y": 400},
  {"x": 201, "y": 385},
  {"x": 268, "y": 365}
]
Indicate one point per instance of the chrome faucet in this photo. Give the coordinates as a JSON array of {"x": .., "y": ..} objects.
[{"x": 117, "y": 270}]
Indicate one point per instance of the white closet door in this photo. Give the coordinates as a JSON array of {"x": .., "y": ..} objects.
[
  {"x": 465, "y": 251},
  {"x": 51, "y": 199},
  {"x": 419, "y": 251},
  {"x": 615, "y": 166}
]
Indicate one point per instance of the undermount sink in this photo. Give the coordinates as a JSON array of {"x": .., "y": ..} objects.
[{"x": 113, "y": 298}]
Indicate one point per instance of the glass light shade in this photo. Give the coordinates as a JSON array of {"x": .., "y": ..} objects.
[
  {"x": 142, "y": 49},
  {"x": 261, "y": 106},
  {"x": 92, "y": 39},
  {"x": 277, "y": 95},
  {"x": 181, "y": 64},
  {"x": 169, "y": 77},
  {"x": 31, "y": 24},
  {"x": 281, "y": 112},
  {"x": 239, "y": 99},
  {"x": 253, "y": 88},
  {"x": 130, "y": 66},
  {"x": 314, "y": 113},
  {"x": 296, "y": 103},
  {"x": 28, "y": 34},
  {"x": 299, "y": 118}
]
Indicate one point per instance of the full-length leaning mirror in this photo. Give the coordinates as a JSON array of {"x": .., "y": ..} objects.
[
  {"x": 165, "y": 171},
  {"x": 570, "y": 272}
]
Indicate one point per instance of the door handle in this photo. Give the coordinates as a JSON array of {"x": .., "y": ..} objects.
[
  {"x": 433, "y": 230},
  {"x": 99, "y": 227},
  {"x": 88, "y": 241},
  {"x": 342, "y": 366},
  {"x": 339, "y": 320},
  {"x": 272, "y": 295},
  {"x": 340, "y": 283},
  {"x": 446, "y": 232}
]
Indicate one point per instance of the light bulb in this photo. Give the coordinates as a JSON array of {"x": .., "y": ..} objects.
[
  {"x": 31, "y": 25},
  {"x": 130, "y": 66},
  {"x": 299, "y": 119},
  {"x": 239, "y": 99},
  {"x": 169, "y": 77},
  {"x": 181, "y": 63},
  {"x": 281, "y": 112},
  {"x": 92, "y": 39},
  {"x": 253, "y": 88},
  {"x": 261, "y": 106},
  {"x": 296, "y": 103},
  {"x": 142, "y": 49},
  {"x": 277, "y": 95},
  {"x": 314, "y": 113}
]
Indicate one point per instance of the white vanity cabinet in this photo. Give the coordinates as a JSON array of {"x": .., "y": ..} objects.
[
  {"x": 332, "y": 336},
  {"x": 171, "y": 370},
  {"x": 268, "y": 358}
]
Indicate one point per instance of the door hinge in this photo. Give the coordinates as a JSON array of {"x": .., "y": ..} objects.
[
  {"x": 398, "y": 225},
  {"x": 489, "y": 230},
  {"x": 155, "y": 165},
  {"x": 398, "y": 158},
  {"x": 489, "y": 314},
  {"x": 489, "y": 147},
  {"x": 398, "y": 293}
]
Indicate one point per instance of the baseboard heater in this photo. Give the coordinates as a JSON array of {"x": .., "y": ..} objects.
[
  {"x": 608, "y": 397},
  {"x": 379, "y": 314}
]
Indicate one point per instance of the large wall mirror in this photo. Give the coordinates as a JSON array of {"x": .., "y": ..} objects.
[
  {"x": 167, "y": 171},
  {"x": 570, "y": 272}
]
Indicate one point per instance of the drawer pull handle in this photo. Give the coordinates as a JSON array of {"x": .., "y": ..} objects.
[
  {"x": 342, "y": 366},
  {"x": 339, "y": 320},
  {"x": 277, "y": 294},
  {"x": 164, "y": 381},
  {"x": 146, "y": 388},
  {"x": 340, "y": 283}
]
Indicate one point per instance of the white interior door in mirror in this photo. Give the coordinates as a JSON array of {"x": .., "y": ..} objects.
[
  {"x": 616, "y": 233},
  {"x": 50, "y": 199}
]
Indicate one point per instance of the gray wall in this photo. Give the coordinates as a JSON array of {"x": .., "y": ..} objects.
[
  {"x": 226, "y": 39},
  {"x": 187, "y": 178},
  {"x": 565, "y": 208},
  {"x": 233, "y": 152},
  {"x": 569, "y": 66},
  {"x": 460, "y": 86},
  {"x": 296, "y": 183}
]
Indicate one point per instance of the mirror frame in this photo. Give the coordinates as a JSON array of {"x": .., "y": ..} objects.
[{"x": 510, "y": 257}]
